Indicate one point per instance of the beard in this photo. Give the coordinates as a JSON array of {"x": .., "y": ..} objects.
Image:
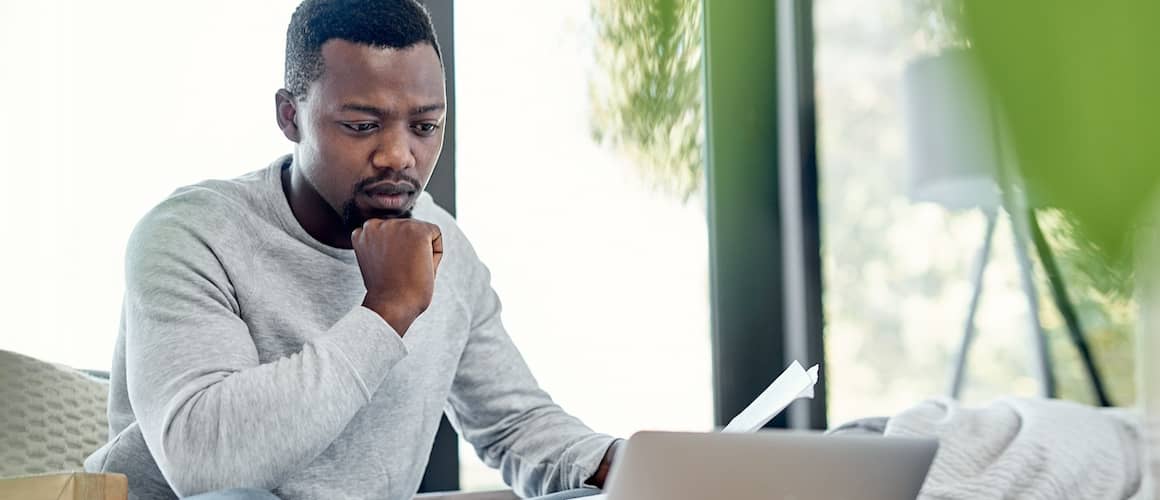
[{"x": 354, "y": 216}]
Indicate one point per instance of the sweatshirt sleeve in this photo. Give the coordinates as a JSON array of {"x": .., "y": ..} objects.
[
  {"x": 514, "y": 425},
  {"x": 212, "y": 416}
]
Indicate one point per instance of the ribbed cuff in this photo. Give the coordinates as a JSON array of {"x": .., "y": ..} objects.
[{"x": 585, "y": 458}]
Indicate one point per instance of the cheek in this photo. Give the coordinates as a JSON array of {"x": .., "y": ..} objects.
[
  {"x": 311, "y": 150},
  {"x": 427, "y": 155},
  {"x": 329, "y": 165}
]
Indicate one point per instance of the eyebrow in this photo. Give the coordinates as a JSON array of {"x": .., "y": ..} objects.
[
  {"x": 428, "y": 108},
  {"x": 380, "y": 112}
]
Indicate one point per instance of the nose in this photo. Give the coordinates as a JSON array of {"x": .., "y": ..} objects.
[{"x": 393, "y": 151}]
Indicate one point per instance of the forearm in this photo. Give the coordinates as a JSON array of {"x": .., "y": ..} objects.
[
  {"x": 222, "y": 427},
  {"x": 511, "y": 421},
  {"x": 539, "y": 451}
]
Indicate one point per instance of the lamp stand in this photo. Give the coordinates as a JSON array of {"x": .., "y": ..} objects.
[
  {"x": 1063, "y": 303},
  {"x": 960, "y": 365},
  {"x": 1025, "y": 233},
  {"x": 1041, "y": 357}
]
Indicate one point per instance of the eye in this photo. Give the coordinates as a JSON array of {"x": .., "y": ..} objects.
[
  {"x": 361, "y": 127},
  {"x": 426, "y": 128}
]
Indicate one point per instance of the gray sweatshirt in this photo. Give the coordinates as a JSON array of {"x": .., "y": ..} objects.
[{"x": 245, "y": 359}]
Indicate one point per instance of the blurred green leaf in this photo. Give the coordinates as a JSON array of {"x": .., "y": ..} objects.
[
  {"x": 1078, "y": 83},
  {"x": 646, "y": 92}
]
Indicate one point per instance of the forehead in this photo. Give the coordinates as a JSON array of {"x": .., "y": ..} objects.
[{"x": 380, "y": 76}]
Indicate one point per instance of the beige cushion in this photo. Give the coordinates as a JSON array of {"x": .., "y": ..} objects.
[{"x": 51, "y": 417}]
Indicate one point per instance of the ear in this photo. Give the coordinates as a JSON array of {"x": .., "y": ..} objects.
[{"x": 286, "y": 109}]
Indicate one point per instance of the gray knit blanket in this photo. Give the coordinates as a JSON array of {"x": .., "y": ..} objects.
[{"x": 1017, "y": 448}]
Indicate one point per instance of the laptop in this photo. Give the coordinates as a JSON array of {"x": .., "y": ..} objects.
[{"x": 767, "y": 465}]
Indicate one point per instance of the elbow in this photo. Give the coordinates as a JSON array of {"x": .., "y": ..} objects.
[
  {"x": 192, "y": 471},
  {"x": 186, "y": 473},
  {"x": 193, "y": 468}
]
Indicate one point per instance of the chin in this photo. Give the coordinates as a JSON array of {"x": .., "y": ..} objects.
[
  {"x": 354, "y": 217},
  {"x": 403, "y": 213}
]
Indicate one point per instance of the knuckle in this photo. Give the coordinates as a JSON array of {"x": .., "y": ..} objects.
[{"x": 417, "y": 227}]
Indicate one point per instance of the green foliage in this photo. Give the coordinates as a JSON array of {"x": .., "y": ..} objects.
[
  {"x": 1078, "y": 86},
  {"x": 646, "y": 93},
  {"x": 1077, "y": 83}
]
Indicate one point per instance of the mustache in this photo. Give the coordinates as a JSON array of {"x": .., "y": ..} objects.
[{"x": 389, "y": 182}]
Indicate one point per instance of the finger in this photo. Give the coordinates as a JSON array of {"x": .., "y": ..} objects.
[
  {"x": 354, "y": 235},
  {"x": 437, "y": 248},
  {"x": 436, "y": 241}
]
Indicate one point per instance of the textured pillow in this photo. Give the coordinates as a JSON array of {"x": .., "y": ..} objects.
[{"x": 51, "y": 417}]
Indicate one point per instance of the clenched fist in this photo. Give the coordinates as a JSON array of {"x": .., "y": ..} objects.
[{"x": 398, "y": 259}]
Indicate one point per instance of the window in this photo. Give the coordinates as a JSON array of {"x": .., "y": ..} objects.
[
  {"x": 108, "y": 107},
  {"x": 898, "y": 272},
  {"x": 604, "y": 276}
]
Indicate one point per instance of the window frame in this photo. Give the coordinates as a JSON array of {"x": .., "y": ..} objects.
[
  {"x": 764, "y": 219},
  {"x": 442, "y": 472},
  {"x": 763, "y": 213}
]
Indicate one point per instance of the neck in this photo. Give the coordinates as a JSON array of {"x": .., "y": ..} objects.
[{"x": 314, "y": 214}]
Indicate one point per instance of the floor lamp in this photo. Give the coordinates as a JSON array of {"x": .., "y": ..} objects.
[{"x": 959, "y": 158}]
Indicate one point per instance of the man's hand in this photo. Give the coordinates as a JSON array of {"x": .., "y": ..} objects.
[
  {"x": 398, "y": 259},
  {"x": 598, "y": 479}
]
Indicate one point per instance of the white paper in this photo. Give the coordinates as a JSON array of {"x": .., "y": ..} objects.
[{"x": 794, "y": 383}]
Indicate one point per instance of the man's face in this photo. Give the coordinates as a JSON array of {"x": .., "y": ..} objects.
[{"x": 371, "y": 128}]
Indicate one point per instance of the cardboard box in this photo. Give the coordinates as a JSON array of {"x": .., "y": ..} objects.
[{"x": 65, "y": 486}]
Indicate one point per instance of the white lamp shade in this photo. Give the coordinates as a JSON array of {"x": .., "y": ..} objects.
[{"x": 953, "y": 147}]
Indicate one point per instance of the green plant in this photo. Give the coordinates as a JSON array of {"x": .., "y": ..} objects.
[{"x": 646, "y": 92}]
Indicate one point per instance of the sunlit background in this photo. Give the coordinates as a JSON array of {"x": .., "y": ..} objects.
[
  {"x": 897, "y": 272},
  {"x": 599, "y": 255}
]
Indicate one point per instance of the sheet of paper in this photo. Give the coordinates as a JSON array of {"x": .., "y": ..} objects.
[{"x": 794, "y": 383}]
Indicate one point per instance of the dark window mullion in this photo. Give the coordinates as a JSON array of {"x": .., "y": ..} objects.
[
  {"x": 442, "y": 472},
  {"x": 801, "y": 220},
  {"x": 744, "y": 216}
]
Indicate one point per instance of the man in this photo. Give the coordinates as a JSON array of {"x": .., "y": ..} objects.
[{"x": 300, "y": 330}]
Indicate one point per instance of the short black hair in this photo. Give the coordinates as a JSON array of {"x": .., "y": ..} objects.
[{"x": 396, "y": 24}]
